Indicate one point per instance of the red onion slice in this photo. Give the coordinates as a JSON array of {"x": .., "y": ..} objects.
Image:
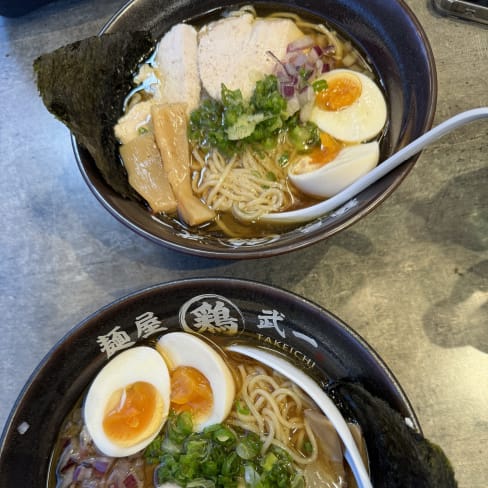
[
  {"x": 101, "y": 464},
  {"x": 287, "y": 90},
  {"x": 131, "y": 481},
  {"x": 82, "y": 472}
]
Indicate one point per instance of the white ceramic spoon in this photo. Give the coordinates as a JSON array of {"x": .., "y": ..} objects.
[
  {"x": 320, "y": 209},
  {"x": 322, "y": 400}
]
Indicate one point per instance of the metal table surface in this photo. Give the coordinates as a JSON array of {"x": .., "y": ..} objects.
[{"x": 411, "y": 278}]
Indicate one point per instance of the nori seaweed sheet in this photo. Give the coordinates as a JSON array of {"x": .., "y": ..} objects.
[
  {"x": 399, "y": 456},
  {"x": 84, "y": 85}
]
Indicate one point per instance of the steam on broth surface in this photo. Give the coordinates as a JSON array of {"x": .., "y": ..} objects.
[
  {"x": 270, "y": 433},
  {"x": 225, "y": 114}
]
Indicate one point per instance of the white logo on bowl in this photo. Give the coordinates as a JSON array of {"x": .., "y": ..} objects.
[
  {"x": 212, "y": 314},
  {"x": 147, "y": 323}
]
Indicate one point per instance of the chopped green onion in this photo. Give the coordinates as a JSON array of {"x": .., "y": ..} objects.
[
  {"x": 224, "y": 435},
  {"x": 249, "y": 446},
  {"x": 298, "y": 481},
  {"x": 233, "y": 123},
  {"x": 284, "y": 159},
  {"x": 241, "y": 406},
  {"x": 220, "y": 456},
  {"x": 307, "y": 447},
  {"x": 200, "y": 483},
  {"x": 271, "y": 176},
  {"x": 269, "y": 461},
  {"x": 304, "y": 137},
  {"x": 231, "y": 464},
  {"x": 303, "y": 73},
  {"x": 199, "y": 448},
  {"x": 319, "y": 85},
  {"x": 251, "y": 476}
]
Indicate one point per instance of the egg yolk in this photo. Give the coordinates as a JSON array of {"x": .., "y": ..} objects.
[
  {"x": 341, "y": 92},
  {"x": 130, "y": 413},
  {"x": 190, "y": 391},
  {"x": 329, "y": 149}
]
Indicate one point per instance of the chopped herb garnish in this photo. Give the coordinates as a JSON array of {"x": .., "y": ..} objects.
[
  {"x": 319, "y": 85},
  {"x": 234, "y": 124},
  {"x": 304, "y": 137},
  {"x": 220, "y": 456},
  {"x": 307, "y": 447},
  {"x": 242, "y": 408},
  {"x": 284, "y": 159},
  {"x": 303, "y": 73},
  {"x": 271, "y": 176}
]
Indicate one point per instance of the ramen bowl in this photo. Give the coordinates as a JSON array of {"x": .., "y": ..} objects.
[
  {"x": 391, "y": 40},
  {"x": 316, "y": 341}
]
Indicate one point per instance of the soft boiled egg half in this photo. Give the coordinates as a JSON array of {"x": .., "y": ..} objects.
[
  {"x": 201, "y": 381},
  {"x": 326, "y": 180},
  {"x": 128, "y": 402},
  {"x": 350, "y": 111}
]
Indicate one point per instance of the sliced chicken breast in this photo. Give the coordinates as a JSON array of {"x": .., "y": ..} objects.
[
  {"x": 234, "y": 51},
  {"x": 176, "y": 63}
]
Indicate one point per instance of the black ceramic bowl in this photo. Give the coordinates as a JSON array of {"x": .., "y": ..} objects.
[
  {"x": 320, "y": 341},
  {"x": 393, "y": 41}
]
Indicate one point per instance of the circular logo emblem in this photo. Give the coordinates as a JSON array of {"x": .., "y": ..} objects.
[{"x": 212, "y": 314}]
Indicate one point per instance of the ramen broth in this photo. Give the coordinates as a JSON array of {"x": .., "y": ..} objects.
[
  {"x": 267, "y": 407},
  {"x": 221, "y": 179}
]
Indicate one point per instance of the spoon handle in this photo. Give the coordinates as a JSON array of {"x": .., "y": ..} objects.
[
  {"x": 414, "y": 147},
  {"x": 318, "y": 210}
]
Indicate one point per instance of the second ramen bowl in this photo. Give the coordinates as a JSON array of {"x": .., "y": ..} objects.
[
  {"x": 393, "y": 42},
  {"x": 215, "y": 309}
]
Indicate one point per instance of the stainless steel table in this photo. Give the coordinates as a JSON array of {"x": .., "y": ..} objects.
[{"x": 411, "y": 278}]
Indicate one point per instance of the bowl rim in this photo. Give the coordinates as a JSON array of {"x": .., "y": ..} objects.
[
  {"x": 308, "y": 238},
  {"x": 205, "y": 283}
]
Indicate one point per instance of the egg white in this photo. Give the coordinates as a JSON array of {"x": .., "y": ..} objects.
[
  {"x": 361, "y": 121},
  {"x": 351, "y": 163},
  {"x": 184, "y": 349},
  {"x": 130, "y": 366}
]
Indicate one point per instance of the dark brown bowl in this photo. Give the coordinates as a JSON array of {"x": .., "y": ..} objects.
[
  {"x": 393, "y": 41},
  {"x": 325, "y": 346}
]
